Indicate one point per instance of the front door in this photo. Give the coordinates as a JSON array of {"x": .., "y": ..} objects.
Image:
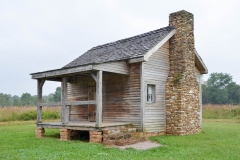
[{"x": 92, "y": 107}]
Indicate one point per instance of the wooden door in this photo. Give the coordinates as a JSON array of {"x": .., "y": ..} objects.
[{"x": 92, "y": 107}]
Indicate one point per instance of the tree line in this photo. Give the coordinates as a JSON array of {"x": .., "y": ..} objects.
[
  {"x": 220, "y": 89},
  {"x": 27, "y": 99}
]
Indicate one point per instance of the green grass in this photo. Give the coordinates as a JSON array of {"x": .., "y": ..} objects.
[{"x": 219, "y": 139}]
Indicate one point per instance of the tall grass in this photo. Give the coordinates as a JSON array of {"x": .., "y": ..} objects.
[
  {"x": 30, "y": 113},
  {"x": 27, "y": 113},
  {"x": 221, "y": 111}
]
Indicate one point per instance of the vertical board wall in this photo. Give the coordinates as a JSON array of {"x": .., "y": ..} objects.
[{"x": 77, "y": 90}]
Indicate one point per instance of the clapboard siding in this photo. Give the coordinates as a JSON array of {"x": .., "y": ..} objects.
[
  {"x": 121, "y": 97},
  {"x": 155, "y": 72},
  {"x": 198, "y": 77}
]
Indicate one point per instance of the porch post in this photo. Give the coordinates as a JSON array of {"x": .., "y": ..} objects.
[
  {"x": 64, "y": 109},
  {"x": 40, "y": 83},
  {"x": 99, "y": 99}
]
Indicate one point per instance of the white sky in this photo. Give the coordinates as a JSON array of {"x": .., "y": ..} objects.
[{"x": 42, "y": 35}]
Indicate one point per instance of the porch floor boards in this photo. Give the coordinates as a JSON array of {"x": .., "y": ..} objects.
[{"x": 86, "y": 126}]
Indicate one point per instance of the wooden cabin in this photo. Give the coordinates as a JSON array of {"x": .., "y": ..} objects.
[{"x": 150, "y": 81}]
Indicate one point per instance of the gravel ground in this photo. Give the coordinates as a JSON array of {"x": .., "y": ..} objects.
[{"x": 141, "y": 145}]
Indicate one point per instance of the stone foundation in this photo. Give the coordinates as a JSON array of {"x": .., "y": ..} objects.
[
  {"x": 95, "y": 137},
  {"x": 122, "y": 136},
  {"x": 65, "y": 134},
  {"x": 182, "y": 88},
  {"x": 39, "y": 132},
  {"x": 119, "y": 136}
]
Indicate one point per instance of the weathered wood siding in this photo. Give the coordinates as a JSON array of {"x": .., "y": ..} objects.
[
  {"x": 120, "y": 67},
  {"x": 122, "y": 97},
  {"x": 155, "y": 72},
  {"x": 198, "y": 77},
  {"x": 77, "y": 90}
]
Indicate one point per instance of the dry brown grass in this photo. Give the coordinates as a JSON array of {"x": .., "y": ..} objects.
[
  {"x": 211, "y": 111},
  {"x": 17, "y": 113},
  {"x": 216, "y": 106}
]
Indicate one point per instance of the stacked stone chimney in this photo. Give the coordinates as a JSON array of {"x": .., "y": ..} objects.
[{"x": 182, "y": 88}]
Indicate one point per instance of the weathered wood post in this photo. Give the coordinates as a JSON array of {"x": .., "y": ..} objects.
[
  {"x": 99, "y": 99},
  {"x": 65, "y": 108},
  {"x": 40, "y": 83}
]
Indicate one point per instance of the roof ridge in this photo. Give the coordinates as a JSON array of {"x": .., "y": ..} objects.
[{"x": 133, "y": 37}]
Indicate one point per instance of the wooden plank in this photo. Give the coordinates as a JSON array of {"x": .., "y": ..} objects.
[
  {"x": 40, "y": 83},
  {"x": 119, "y": 67},
  {"x": 136, "y": 60},
  {"x": 50, "y": 104},
  {"x": 142, "y": 97},
  {"x": 75, "y": 103},
  {"x": 99, "y": 99},
  {"x": 61, "y": 72},
  {"x": 65, "y": 109},
  {"x": 200, "y": 64}
]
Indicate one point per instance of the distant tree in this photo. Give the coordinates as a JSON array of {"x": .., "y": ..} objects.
[
  {"x": 57, "y": 95},
  {"x": 220, "y": 89},
  {"x": 26, "y": 99},
  {"x": 5, "y": 100},
  {"x": 16, "y": 102},
  {"x": 233, "y": 93},
  {"x": 34, "y": 100},
  {"x": 50, "y": 97}
]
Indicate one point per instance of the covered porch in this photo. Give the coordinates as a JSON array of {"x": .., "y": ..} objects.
[{"x": 78, "y": 96}]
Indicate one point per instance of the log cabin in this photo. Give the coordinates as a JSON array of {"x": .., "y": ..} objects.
[{"x": 150, "y": 81}]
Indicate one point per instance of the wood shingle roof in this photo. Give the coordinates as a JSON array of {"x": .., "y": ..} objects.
[{"x": 124, "y": 49}]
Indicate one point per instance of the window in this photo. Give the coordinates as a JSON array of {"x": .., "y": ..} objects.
[{"x": 150, "y": 93}]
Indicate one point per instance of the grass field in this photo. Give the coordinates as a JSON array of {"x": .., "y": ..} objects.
[
  {"x": 221, "y": 111},
  {"x": 219, "y": 139},
  {"x": 27, "y": 113}
]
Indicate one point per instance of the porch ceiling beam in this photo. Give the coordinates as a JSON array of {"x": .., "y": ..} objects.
[{"x": 60, "y": 72}]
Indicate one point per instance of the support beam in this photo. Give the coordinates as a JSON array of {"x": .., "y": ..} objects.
[
  {"x": 94, "y": 76},
  {"x": 40, "y": 83},
  {"x": 99, "y": 99},
  {"x": 65, "y": 108}
]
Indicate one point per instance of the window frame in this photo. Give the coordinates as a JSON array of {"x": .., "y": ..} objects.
[{"x": 153, "y": 93}]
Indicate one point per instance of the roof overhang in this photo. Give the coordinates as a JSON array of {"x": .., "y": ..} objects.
[
  {"x": 119, "y": 67},
  {"x": 200, "y": 64}
]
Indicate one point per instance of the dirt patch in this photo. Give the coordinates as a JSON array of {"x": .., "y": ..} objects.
[{"x": 141, "y": 145}]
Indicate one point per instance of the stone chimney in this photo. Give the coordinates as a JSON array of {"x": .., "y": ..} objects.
[{"x": 182, "y": 88}]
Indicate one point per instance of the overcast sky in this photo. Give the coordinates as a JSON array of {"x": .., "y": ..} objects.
[{"x": 43, "y": 35}]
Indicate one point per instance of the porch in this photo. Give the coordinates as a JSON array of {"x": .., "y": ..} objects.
[{"x": 82, "y": 126}]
